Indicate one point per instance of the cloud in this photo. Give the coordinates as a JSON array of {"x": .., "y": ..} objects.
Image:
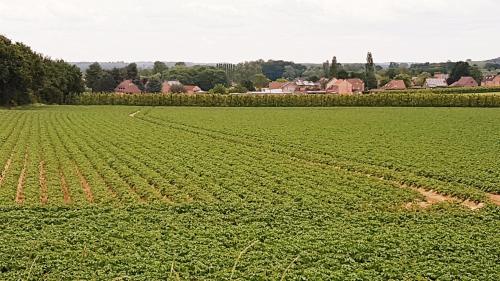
[{"x": 228, "y": 30}]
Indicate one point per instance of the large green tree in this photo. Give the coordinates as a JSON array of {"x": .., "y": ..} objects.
[
  {"x": 334, "y": 68},
  {"x": 26, "y": 76},
  {"x": 159, "y": 67},
  {"x": 459, "y": 70},
  {"x": 93, "y": 75},
  {"x": 371, "y": 78},
  {"x": 132, "y": 72},
  {"x": 154, "y": 85},
  {"x": 260, "y": 81}
]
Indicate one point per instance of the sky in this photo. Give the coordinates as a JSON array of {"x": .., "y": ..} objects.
[{"x": 209, "y": 31}]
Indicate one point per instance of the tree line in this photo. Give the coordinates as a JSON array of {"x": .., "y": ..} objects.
[{"x": 28, "y": 77}]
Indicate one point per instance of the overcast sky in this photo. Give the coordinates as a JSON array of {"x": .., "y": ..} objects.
[{"x": 240, "y": 30}]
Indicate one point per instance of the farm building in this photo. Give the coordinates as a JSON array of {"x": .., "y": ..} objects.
[
  {"x": 394, "y": 85},
  {"x": 339, "y": 86},
  {"x": 297, "y": 86},
  {"x": 277, "y": 85},
  {"x": 465, "y": 81},
  {"x": 435, "y": 83},
  {"x": 165, "y": 87},
  {"x": 492, "y": 81},
  {"x": 439, "y": 75},
  {"x": 358, "y": 86},
  {"x": 192, "y": 89},
  {"x": 128, "y": 87}
]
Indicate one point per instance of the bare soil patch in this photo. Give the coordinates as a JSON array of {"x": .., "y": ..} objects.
[
  {"x": 5, "y": 169},
  {"x": 20, "y": 183},
  {"x": 134, "y": 114},
  {"x": 494, "y": 198},
  {"x": 64, "y": 188},
  {"x": 433, "y": 198}
]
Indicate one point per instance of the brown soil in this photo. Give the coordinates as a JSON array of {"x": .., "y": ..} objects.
[
  {"x": 432, "y": 198},
  {"x": 64, "y": 188},
  {"x": 494, "y": 198},
  {"x": 134, "y": 114},
  {"x": 85, "y": 186},
  {"x": 44, "y": 190},
  {"x": 20, "y": 184},
  {"x": 5, "y": 169}
]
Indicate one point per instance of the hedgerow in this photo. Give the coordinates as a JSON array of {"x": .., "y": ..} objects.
[{"x": 273, "y": 100}]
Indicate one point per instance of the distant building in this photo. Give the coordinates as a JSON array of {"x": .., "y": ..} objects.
[
  {"x": 435, "y": 83},
  {"x": 439, "y": 75},
  {"x": 465, "y": 81},
  {"x": 276, "y": 85},
  {"x": 192, "y": 89},
  {"x": 304, "y": 86},
  {"x": 127, "y": 87},
  {"x": 394, "y": 85},
  {"x": 297, "y": 86},
  {"x": 492, "y": 81},
  {"x": 339, "y": 86},
  {"x": 165, "y": 86},
  {"x": 358, "y": 86}
]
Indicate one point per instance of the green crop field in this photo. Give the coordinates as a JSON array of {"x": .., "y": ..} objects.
[{"x": 157, "y": 193}]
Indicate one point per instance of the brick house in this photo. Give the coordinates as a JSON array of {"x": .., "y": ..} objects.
[
  {"x": 435, "y": 83},
  {"x": 127, "y": 87},
  {"x": 465, "y": 81},
  {"x": 358, "y": 86},
  {"x": 165, "y": 86},
  {"x": 339, "y": 86},
  {"x": 192, "y": 89},
  {"x": 276, "y": 85},
  {"x": 492, "y": 81},
  {"x": 394, "y": 85},
  {"x": 439, "y": 75}
]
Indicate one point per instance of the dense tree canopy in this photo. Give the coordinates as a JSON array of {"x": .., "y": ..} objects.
[
  {"x": 27, "y": 77},
  {"x": 276, "y": 69}
]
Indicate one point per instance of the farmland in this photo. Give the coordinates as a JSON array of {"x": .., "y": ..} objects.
[{"x": 150, "y": 193}]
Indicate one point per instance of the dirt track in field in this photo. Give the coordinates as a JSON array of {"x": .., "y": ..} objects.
[
  {"x": 22, "y": 179},
  {"x": 64, "y": 188},
  {"x": 134, "y": 114},
  {"x": 5, "y": 169}
]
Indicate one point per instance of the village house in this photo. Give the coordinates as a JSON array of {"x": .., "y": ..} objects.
[
  {"x": 127, "y": 87},
  {"x": 465, "y": 81},
  {"x": 492, "y": 81},
  {"x": 165, "y": 86},
  {"x": 435, "y": 83},
  {"x": 339, "y": 86},
  {"x": 276, "y": 85},
  {"x": 297, "y": 86},
  {"x": 358, "y": 86},
  {"x": 439, "y": 75},
  {"x": 192, "y": 89},
  {"x": 394, "y": 85},
  {"x": 304, "y": 86}
]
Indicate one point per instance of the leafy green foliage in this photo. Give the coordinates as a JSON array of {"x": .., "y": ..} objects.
[
  {"x": 185, "y": 190},
  {"x": 27, "y": 77}
]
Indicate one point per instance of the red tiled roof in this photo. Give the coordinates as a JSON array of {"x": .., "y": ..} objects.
[
  {"x": 276, "y": 85},
  {"x": 192, "y": 88},
  {"x": 127, "y": 86},
  {"x": 357, "y": 84},
  {"x": 465, "y": 81},
  {"x": 395, "y": 85}
]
